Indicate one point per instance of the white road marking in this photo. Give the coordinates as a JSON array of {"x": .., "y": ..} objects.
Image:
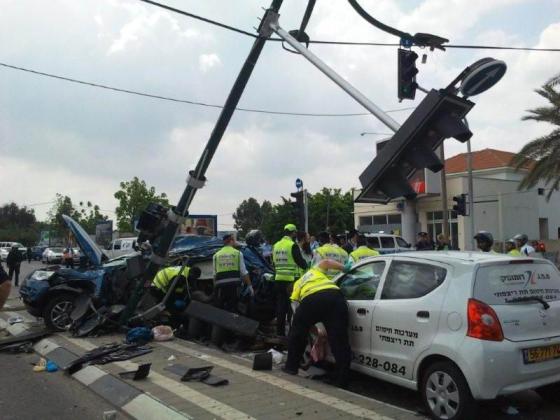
[
  {"x": 183, "y": 391},
  {"x": 318, "y": 396}
]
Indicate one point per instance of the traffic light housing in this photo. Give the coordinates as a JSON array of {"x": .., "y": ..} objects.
[
  {"x": 299, "y": 209},
  {"x": 439, "y": 116},
  {"x": 407, "y": 74},
  {"x": 461, "y": 207}
]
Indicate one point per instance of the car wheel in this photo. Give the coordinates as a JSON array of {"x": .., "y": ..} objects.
[
  {"x": 446, "y": 394},
  {"x": 57, "y": 311},
  {"x": 549, "y": 392}
]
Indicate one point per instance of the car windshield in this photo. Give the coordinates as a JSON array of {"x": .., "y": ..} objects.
[
  {"x": 505, "y": 283},
  {"x": 186, "y": 242},
  {"x": 56, "y": 249}
]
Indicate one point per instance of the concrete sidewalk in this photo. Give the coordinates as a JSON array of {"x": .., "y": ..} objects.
[{"x": 248, "y": 395}]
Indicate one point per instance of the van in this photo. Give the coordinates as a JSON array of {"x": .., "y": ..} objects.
[
  {"x": 388, "y": 244},
  {"x": 121, "y": 246}
]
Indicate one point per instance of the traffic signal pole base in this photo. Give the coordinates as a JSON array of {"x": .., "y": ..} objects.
[{"x": 408, "y": 219}]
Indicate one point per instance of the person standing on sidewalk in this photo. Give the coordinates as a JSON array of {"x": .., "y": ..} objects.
[
  {"x": 288, "y": 264},
  {"x": 13, "y": 260},
  {"x": 29, "y": 253}
]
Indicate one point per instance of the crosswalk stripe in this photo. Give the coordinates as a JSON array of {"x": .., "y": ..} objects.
[
  {"x": 178, "y": 388},
  {"x": 318, "y": 396}
]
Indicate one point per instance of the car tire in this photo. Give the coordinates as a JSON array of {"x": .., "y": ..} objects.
[
  {"x": 550, "y": 392},
  {"x": 57, "y": 311},
  {"x": 446, "y": 394}
]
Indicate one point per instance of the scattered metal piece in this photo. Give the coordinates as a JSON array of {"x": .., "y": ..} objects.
[
  {"x": 17, "y": 319},
  {"x": 141, "y": 373}
]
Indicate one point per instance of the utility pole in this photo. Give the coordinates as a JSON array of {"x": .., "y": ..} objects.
[
  {"x": 444, "y": 206},
  {"x": 471, "y": 194}
]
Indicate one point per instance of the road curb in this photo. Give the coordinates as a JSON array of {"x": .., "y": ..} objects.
[
  {"x": 126, "y": 397},
  {"x": 123, "y": 396}
]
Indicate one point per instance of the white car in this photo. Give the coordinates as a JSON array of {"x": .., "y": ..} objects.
[
  {"x": 4, "y": 253},
  {"x": 52, "y": 255},
  {"x": 456, "y": 326}
]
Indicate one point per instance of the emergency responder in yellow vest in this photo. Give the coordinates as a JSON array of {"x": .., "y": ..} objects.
[
  {"x": 287, "y": 260},
  {"x": 229, "y": 271},
  {"x": 163, "y": 280},
  {"x": 318, "y": 299},
  {"x": 363, "y": 251},
  {"x": 330, "y": 251},
  {"x": 484, "y": 241},
  {"x": 511, "y": 248}
]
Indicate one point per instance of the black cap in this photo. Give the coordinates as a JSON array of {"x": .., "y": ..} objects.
[{"x": 227, "y": 237}]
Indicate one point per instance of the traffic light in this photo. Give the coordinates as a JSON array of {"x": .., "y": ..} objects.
[
  {"x": 299, "y": 209},
  {"x": 461, "y": 207},
  {"x": 439, "y": 116},
  {"x": 407, "y": 74}
]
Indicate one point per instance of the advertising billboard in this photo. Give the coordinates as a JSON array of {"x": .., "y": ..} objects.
[{"x": 201, "y": 224}]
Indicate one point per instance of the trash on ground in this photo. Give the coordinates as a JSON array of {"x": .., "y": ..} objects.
[
  {"x": 171, "y": 358},
  {"x": 162, "y": 333},
  {"x": 23, "y": 347},
  {"x": 108, "y": 353},
  {"x": 198, "y": 374},
  {"x": 41, "y": 365},
  {"x": 28, "y": 336},
  {"x": 263, "y": 361},
  {"x": 17, "y": 319},
  {"x": 140, "y": 335},
  {"x": 278, "y": 357},
  {"x": 51, "y": 366},
  {"x": 110, "y": 415},
  {"x": 140, "y": 373}
]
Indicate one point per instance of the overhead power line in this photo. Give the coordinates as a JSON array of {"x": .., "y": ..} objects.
[
  {"x": 186, "y": 101},
  {"x": 375, "y": 44}
]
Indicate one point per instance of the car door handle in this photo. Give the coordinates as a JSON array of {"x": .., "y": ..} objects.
[
  {"x": 423, "y": 314},
  {"x": 362, "y": 311}
]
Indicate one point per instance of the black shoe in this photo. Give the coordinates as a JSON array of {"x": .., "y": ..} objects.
[{"x": 289, "y": 371}]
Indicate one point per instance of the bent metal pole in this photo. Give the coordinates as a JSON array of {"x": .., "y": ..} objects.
[
  {"x": 196, "y": 178},
  {"x": 335, "y": 77}
]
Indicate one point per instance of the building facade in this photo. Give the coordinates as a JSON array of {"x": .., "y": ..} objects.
[{"x": 499, "y": 207}]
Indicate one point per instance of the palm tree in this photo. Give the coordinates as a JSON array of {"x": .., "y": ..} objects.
[{"x": 542, "y": 155}]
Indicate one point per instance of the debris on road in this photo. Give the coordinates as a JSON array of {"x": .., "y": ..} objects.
[{"x": 138, "y": 374}]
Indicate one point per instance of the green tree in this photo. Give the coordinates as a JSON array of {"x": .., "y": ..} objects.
[
  {"x": 331, "y": 210},
  {"x": 134, "y": 196},
  {"x": 18, "y": 224},
  {"x": 542, "y": 155},
  {"x": 275, "y": 217},
  {"x": 90, "y": 215},
  {"x": 63, "y": 205},
  {"x": 247, "y": 216}
]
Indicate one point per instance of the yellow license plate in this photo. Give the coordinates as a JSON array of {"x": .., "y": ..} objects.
[{"x": 541, "y": 354}]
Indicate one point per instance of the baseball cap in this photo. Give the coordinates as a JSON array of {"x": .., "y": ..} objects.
[{"x": 290, "y": 227}]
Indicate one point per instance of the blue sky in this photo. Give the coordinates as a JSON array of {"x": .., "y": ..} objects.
[{"x": 82, "y": 141}]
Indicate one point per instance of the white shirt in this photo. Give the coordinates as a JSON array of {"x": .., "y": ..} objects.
[{"x": 527, "y": 249}]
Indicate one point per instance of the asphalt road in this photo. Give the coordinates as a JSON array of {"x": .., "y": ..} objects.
[{"x": 25, "y": 394}]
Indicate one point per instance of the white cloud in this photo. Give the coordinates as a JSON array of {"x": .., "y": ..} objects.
[{"x": 208, "y": 61}]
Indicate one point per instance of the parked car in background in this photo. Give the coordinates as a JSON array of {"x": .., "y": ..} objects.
[
  {"x": 456, "y": 326},
  {"x": 52, "y": 255},
  {"x": 6, "y": 246},
  {"x": 388, "y": 244},
  {"x": 4, "y": 253},
  {"x": 121, "y": 246},
  {"x": 37, "y": 252}
]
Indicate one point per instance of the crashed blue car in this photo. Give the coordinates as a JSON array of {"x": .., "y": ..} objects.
[{"x": 51, "y": 292}]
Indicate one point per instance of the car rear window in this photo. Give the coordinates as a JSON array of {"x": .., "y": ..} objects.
[
  {"x": 387, "y": 242},
  {"x": 499, "y": 284}
]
